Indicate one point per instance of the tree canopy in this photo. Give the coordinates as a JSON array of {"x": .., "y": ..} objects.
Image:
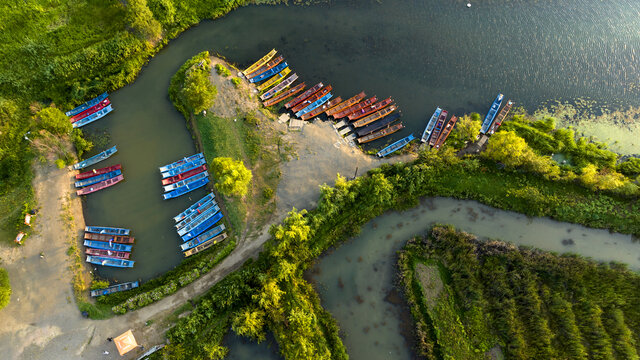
[
  {"x": 54, "y": 121},
  {"x": 233, "y": 178},
  {"x": 141, "y": 20}
]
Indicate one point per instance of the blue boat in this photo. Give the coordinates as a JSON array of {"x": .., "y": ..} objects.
[
  {"x": 488, "y": 120},
  {"x": 87, "y": 105},
  {"x": 432, "y": 122},
  {"x": 107, "y": 230},
  {"x": 93, "y": 117},
  {"x": 199, "y": 220},
  {"x": 95, "y": 159},
  {"x": 180, "y": 162},
  {"x": 115, "y": 288},
  {"x": 194, "y": 208},
  {"x": 108, "y": 245},
  {"x": 202, "y": 227},
  {"x": 184, "y": 167},
  {"x": 314, "y": 105},
  {"x": 185, "y": 189},
  {"x": 96, "y": 179},
  {"x": 186, "y": 181},
  {"x": 105, "y": 261},
  {"x": 395, "y": 146},
  {"x": 202, "y": 238},
  {"x": 269, "y": 73},
  {"x": 195, "y": 214}
]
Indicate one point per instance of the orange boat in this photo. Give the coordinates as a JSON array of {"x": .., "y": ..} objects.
[
  {"x": 319, "y": 110},
  {"x": 375, "y": 116},
  {"x": 294, "y": 90},
  {"x": 352, "y": 101},
  {"x": 120, "y": 239},
  {"x": 445, "y": 133},
  {"x": 354, "y": 107},
  {"x": 266, "y": 67},
  {"x": 370, "y": 109},
  {"x": 304, "y": 95},
  {"x": 306, "y": 102},
  {"x": 381, "y": 133}
]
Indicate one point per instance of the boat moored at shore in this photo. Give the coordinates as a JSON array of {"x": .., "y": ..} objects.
[
  {"x": 493, "y": 110},
  {"x": 114, "y": 289},
  {"x": 438, "y": 128},
  {"x": 396, "y": 146},
  {"x": 94, "y": 172},
  {"x": 255, "y": 66},
  {"x": 380, "y": 133},
  {"x": 107, "y": 230},
  {"x": 87, "y": 104},
  {"x": 105, "y": 261},
  {"x": 430, "y": 125},
  {"x": 95, "y": 159}
]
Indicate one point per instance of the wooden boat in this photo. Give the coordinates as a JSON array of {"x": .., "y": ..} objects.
[
  {"x": 314, "y": 105},
  {"x": 101, "y": 185},
  {"x": 396, "y": 146},
  {"x": 199, "y": 220},
  {"x": 370, "y": 109},
  {"x": 375, "y": 116},
  {"x": 379, "y": 124},
  {"x": 429, "y": 128},
  {"x": 501, "y": 116},
  {"x": 106, "y": 230},
  {"x": 274, "y": 80},
  {"x": 308, "y": 101},
  {"x": 95, "y": 159},
  {"x": 114, "y": 289},
  {"x": 284, "y": 95},
  {"x": 202, "y": 238},
  {"x": 268, "y": 66},
  {"x": 355, "y": 107},
  {"x": 186, "y": 189},
  {"x": 93, "y": 117},
  {"x": 108, "y": 245},
  {"x": 319, "y": 110},
  {"x": 205, "y": 245},
  {"x": 186, "y": 181},
  {"x": 493, "y": 110},
  {"x": 298, "y": 99},
  {"x": 120, "y": 239},
  {"x": 108, "y": 253},
  {"x": 349, "y": 102},
  {"x": 437, "y": 130},
  {"x": 269, "y": 73},
  {"x": 194, "y": 208},
  {"x": 94, "y": 172},
  {"x": 380, "y": 133},
  {"x": 255, "y": 66},
  {"x": 445, "y": 133},
  {"x": 97, "y": 179},
  {"x": 184, "y": 168},
  {"x": 105, "y": 261},
  {"x": 87, "y": 105},
  {"x": 181, "y": 162},
  {"x": 276, "y": 89},
  {"x": 190, "y": 219},
  {"x": 202, "y": 227},
  {"x": 99, "y": 106},
  {"x": 174, "y": 179}
]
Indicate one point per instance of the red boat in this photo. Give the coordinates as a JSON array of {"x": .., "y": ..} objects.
[
  {"x": 120, "y": 239},
  {"x": 276, "y": 99},
  {"x": 370, "y": 109},
  {"x": 101, "y": 185},
  {"x": 90, "y": 110},
  {"x": 445, "y": 133},
  {"x": 108, "y": 253},
  {"x": 321, "y": 109},
  {"x": 375, "y": 116},
  {"x": 350, "y": 102},
  {"x": 355, "y": 107},
  {"x": 304, "y": 95},
  {"x": 306, "y": 102},
  {"x": 94, "y": 172},
  {"x": 184, "y": 175}
]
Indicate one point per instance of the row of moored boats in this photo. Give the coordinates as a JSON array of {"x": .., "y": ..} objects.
[
  {"x": 197, "y": 227},
  {"x": 93, "y": 110},
  {"x": 184, "y": 176},
  {"x": 108, "y": 246}
]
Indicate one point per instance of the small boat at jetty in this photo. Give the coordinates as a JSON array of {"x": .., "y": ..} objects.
[
  {"x": 194, "y": 208},
  {"x": 202, "y": 227},
  {"x": 186, "y": 189},
  {"x": 435, "y": 134},
  {"x": 107, "y": 230},
  {"x": 94, "y": 172},
  {"x": 174, "y": 179},
  {"x": 269, "y": 73},
  {"x": 255, "y": 66},
  {"x": 370, "y": 109},
  {"x": 491, "y": 114},
  {"x": 314, "y": 105},
  {"x": 306, "y": 102},
  {"x": 276, "y": 89},
  {"x": 268, "y": 66},
  {"x": 379, "y": 124},
  {"x": 320, "y": 109},
  {"x": 209, "y": 235},
  {"x": 199, "y": 220},
  {"x": 114, "y": 289},
  {"x": 349, "y": 102},
  {"x": 184, "y": 168},
  {"x": 96, "y": 179},
  {"x": 274, "y": 80},
  {"x": 355, "y": 107},
  {"x": 429, "y": 128},
  {"x": 90, "y": 110},
  {"x": 446, "y": 131},
  {"x": 101, "y": 185},
  {"x": 108, "y": 245},
  {"x": 380, "y": 133},
  {"x": 396, "y": 146},
  {"x": 205, "y": 245},
  {"x": 87, "y": 105},
  {"x": 298, "y": 99},
  {"x": 375, "y": 116},
  {"x": 501, "y": 116},
  {"x": 181, "y": 162},
  {"x": 93, "y": 117},
  {"x": 120, "y": 239},
  {"x": 285, "y": 95},
  {"x": 107, "y": 253},
  {"x": 186, "y": 181},
  {"x": 95, "y": 159},
  {"x": 190, "y": 219},
  {"x": 105, "y": 261}
]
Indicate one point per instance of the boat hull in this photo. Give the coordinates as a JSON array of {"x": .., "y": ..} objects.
[
  {"x": 107, "y": 230},
  {"x": 429, "y": 128},
  {"x": 285, "y": 95},
  {"x": 314, "y": 105},
  {"x": 269, "y": 73},
  {"x": 274, "y": 80},
  {"x": 319, "y": 110},
  {"x": 311, "y": 99},
  {"x": 205, "y": 245},
  {"x": 115, "y": 288},
  {"x": 355, "y": 107},
  {"x": 184, "y": 168},
  {"x": 107, "y": 246},
  {"x": 94, "y": 172},
  {"x": 276, "y": 89},
  {"x": 100, "y": 186},
  {"x": 202, "y": 227},
  {"x": 108, "y": 253},
  {"x": 101, "y": 105},
  {"x": 185, "y": 189},
  {"x": 181, "y": 162},
  {"x": 375, "y": 116},
  {"x": 447, "y": 130},
  {"x": 104, "y": 261},
  {"x": 380, "y": 133},
  {"x": 87, "y": 104},
  {"x": 199, "y": 220},
  {"x": 174, "y": 179},
  {"x": 379, "y": 124},
  {"x": 349, "y": 102},
  {"x": 93, "y": 117},
  {"x": 193, "y": 208},
  {"x": 95, "y": 159},
  {"x": 396, "y": 146},
  {"x": 369, "y": 109},
  {"x": 298, "y": 99},
  {"x": 97, "y": 179},
  {"x": 186, "y": 181},
  {"x": 263, "y": 60},
  {"x": 442, "y": 119},
  {"x": 268, "y": 66},
  {"x": 201, "y": 239},
  {"x": 493, "y": 110}
]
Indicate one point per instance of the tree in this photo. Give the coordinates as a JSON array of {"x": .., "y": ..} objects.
[
  {"x": 54, "y": 121},
  {"x": 250, "y": 323},
  {"x": 197, "y": 91},
  {"x": 233, "y": 177},
  {"x": 508, "y": 148},
  {"x": 163, "y": 10},
  {"x": 141, "y": 20},
  {"x": 601, "y": 180},
  {"x": 467, "y": 128},
  {"x": 5, "y": 288}
]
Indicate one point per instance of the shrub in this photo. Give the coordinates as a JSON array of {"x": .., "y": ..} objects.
[
  {"x": 5, "y": 288},
  {"x": 99, "y": 284},
  {"x": 222, "y": 70},
  {"x": 54, "y": 121},
  {"x": 141, "y": 20},
  {"x": 233, "y": 177},
  {"x": 60, "y": 163},
  {"x": 236, "y": 82},
  {"x": 630, "y": 167}
]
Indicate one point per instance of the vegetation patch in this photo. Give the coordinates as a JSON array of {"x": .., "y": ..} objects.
[{"x": 5, "y": 288}]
